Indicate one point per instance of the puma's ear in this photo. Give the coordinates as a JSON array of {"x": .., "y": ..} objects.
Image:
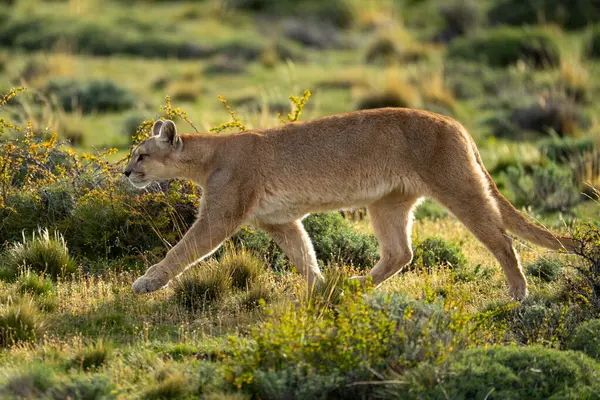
[
  {"x": 168, "y": 133},
  {"x": 156, "y": 127}
]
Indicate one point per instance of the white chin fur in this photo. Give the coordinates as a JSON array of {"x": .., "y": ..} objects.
[{"x": 140, "y": 184}]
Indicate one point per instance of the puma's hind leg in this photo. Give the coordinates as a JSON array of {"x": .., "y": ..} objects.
[
  {"x": 474, "y": 207},
  {"x": 391, "y": 218}
]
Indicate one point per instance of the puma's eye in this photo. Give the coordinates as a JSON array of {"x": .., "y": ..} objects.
[{"x": 141, "y": 157}]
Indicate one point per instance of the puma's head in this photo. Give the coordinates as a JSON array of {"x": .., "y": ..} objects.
[{"x": 157, "y": 157}]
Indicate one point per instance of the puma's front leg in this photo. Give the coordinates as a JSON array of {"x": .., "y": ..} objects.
[{"x": 217, "y": 220}]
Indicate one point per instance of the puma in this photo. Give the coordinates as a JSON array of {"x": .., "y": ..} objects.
[{"x": 385, "y": 159}]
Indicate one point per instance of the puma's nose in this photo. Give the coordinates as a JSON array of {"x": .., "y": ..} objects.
[{"x": 127, "y": 173}]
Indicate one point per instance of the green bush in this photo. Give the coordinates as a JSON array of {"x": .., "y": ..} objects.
[
  {"x": 43, "y": 253},
  {"x": 30, "y": 383},
  {"x": 32, "y": 283},
  {"x": 94, "y": 387},
  {"x": 385, "y": 49},
  {"x": 90, "y": 96},
  {"x": 430, "y": 209},
  {"x": 336, "y": 12},
  {"x": 563, "y": 149},
  {"x": 586, "y": 286},
  {"x": 505, "y": 46},
  {"x": 461, "y": 17},
  {"x": 572, "y": 15},
  {"x": 547, "y": 269},
  {"x": 319, "y": 352},
  {"x": 587, "y": 339},
  {"x": 513, "y": 373},
  {"x": 558, "y": 115},
  {"x": 549, "y": 188},
  {"x": 253, "y": 296},
  {"x": 33, "y": 33},
  {"x": 261, "y": 245},
  {"x": 435, "y": 251},
  {"x": 335, "y": 241},
  {"x": 538, "y": 320},
  {"x": 175, "y": 386},
  {"x": 20, "y": 322},
  {"x": 201, "y": 287},
  {"x": 92, "y": 357}
]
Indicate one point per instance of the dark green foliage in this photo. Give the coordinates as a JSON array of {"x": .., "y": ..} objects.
[
  {"x": 586, "y": 285},
  {"x": 132, "y": 122},
  {"x": 201, "y": 287},
  {"x": 335, "y": 241},
  {"x": 547, "y": 269},
  {"x": 386, "y": 98},
  {"x": 538, "y": 319},
  {"x": 514, "y": 373},
  {"x": 383, "y": 49},
  {"x": 558, "y": 115},
  {"x": 261, "y": 245},
  {"x": 505, "y": 46},
  {"x": 33, "y": 33},
  {"x": 92, "y": 357},
  {"x": 20, "y": 322},
  {"x": 32, "y": 283},
  {"x": 94, "y": 387},
  {"x": 571, "y": 15},
  {"x": 548, "y": 188},
  {"x": 336, "y": 12},
  {"x": 563, "y": 149},
  {"x": 435, "y": 251},
  {"x": 431, "y": 210},
  {"x": 461, "y": 17},
  {"x": 90, "y": 96},
  {"x": 43, "y": 253},
  {"x": 587, "y": 339}
]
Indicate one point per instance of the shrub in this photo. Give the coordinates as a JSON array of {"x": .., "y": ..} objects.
[
  {"x": 549, "y": 188},
  {"x": 94, "y": 387},
  {"x": 461, "y": 17},
  {"x": 384, "y": 49},
  {"x": 569, "y": 15},
  {"x": 505, "y": 372},
  {"x": 562, "y": 149},
  {"x": 394, "y": 95},
  {"x": 92, "y": 357},
  {"x": 547, "y": 269},
  {"x": 132, "y": 122},
  {"x": 538, "y": 320},
  {"x": 259, "y": 243},
  {"x": 335, "y": 240},
  {"x": 43, "y": 253},
  {"x": 318, "y": 352},
  {"x": 201, "y": 286},
  {"x": 433, "y": 252},
  {"x": 431, "y": 210},
  {"x": 90, "y": 96},
  {"x": 336, "y": 12},
  {"x": 20, "y": 322},
  {"x": 32, "y": 283},
  {"x": 505, "y": 46},
  {"x": 586, "y": 286},
  {"x": 561, "y": 116},
  {"x": 174, "y": 386},
  {"x": 31, "y": 383},
  {"x": 587, "y": 339},
  {"x": 242, "y": 267}
]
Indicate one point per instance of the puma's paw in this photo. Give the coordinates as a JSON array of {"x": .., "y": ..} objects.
[
  {"x": 147, "y": 284},
  {"x": 519, "y": 291}
]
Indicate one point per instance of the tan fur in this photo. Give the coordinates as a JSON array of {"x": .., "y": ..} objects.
[{"x": 384, "y": 159}]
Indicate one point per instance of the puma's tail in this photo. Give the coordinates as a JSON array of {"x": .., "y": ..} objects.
[{"x": 520, "y": 225}]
